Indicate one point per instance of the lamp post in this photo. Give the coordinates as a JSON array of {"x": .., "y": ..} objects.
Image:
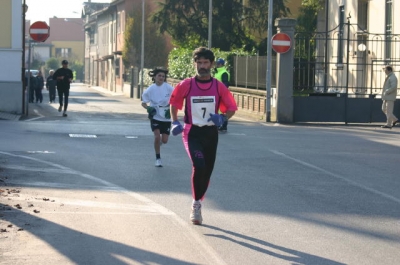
[
  {"x": 142, "y": 53},
  {"x": 269, "y": 61},
  {"x": 23, "y": 75},
  {"x": 209, "y": 23}
]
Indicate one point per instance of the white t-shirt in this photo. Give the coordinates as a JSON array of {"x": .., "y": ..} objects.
[{"x": 158, "y": 97}]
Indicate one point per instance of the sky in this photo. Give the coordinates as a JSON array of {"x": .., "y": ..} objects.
[{"x": 42, "y": 10}]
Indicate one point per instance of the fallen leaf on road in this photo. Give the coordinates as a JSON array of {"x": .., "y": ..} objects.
[
  {"x": 36, "y": 211},
  {"x": 18, "y": 206}
]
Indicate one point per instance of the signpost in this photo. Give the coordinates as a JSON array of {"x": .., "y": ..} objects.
[
  {"x": 281, "y": 43},
  {"x": 39, "y": 31}
]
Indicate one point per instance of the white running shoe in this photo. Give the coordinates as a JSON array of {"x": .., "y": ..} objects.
[
  {"x": 158, "y": 163},
  {"x": 195, "y": 215}
]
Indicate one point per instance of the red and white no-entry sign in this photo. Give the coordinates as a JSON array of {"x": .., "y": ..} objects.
[
  {"x": 39, "y": 31},
  {"x": 281, "y": 42}
]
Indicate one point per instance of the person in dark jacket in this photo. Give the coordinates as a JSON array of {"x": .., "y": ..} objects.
[
  {"x": 32, "y": 86},
  {"x": 64, "y": 78},
  {"x": 39, "y": 87},
  {"x": 51, "y": 86}
]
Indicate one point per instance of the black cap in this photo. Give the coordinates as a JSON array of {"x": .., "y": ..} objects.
[{"x": 64, "y": 62}]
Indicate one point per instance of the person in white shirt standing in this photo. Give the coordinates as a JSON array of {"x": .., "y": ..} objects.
[
  {"x": 389, "y": 93},
  {"x": 155, "y": 100}
]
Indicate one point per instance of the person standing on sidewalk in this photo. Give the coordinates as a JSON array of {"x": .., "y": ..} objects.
[
  {"x": 64, "y": 78},
  {"x": 222, "y": 74},
  {"x": 157, "y": 96},
  {"x": 389, "y": 93},
  {"x": 32, "y": 86},
  {"x": 203, "y": 97},
  {"x": 51, "y": 86},
  {"x": 39, "y": 87}
]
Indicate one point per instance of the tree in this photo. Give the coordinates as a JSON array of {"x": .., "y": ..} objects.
[
  {"x": 155, "y": 52},
  {"x": 53, "y": 63},
  {"x": 234, "y": 25},
  {"x": 307, "y": 20}
]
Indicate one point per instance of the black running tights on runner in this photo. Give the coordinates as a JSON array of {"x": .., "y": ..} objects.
[
  {"x": 202, "y": 146},
  {"x": 63, "y": 93}
]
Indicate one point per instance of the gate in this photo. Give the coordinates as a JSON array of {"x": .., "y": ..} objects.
[{"x": 338, "y": 75}]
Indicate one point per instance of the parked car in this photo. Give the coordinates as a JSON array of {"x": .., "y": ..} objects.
[{"x": 34, "y": 72}]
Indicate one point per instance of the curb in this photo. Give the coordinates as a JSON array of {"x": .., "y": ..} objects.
[{"x": 9, "y": 116}]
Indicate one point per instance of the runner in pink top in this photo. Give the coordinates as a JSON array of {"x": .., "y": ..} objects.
[{"x": 203, "y": 97}]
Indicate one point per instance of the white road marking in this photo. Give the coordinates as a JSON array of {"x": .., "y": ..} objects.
[
  {"x": 61, "y": 185},
  {"x": 82, "y": 135},
  {"x": 131, "y": 137},
  {"x": 37, "y": 113},
  {"x": 387, "y": 196},
  {"x": 41, "y": 152},
  {"x": 210, "y": 253}
]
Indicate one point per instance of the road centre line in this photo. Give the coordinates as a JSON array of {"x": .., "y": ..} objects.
[
  {"x": 212, "y": 256},
  {"x": 387, "y": 196}
]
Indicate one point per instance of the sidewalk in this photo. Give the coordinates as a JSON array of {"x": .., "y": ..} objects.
[{"x": 9, "y": 116}]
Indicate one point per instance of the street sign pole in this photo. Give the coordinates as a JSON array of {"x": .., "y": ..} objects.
[
  {"x": 28, "y": 77},
  {"x": 142, "y": 54},
  {"x": 269, "y": 62},
  {"x": 210, "y": 23}
]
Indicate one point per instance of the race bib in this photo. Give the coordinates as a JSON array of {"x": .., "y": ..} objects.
[{"x": 201, "y": 108}]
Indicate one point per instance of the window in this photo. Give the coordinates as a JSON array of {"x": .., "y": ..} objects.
[
  {"x": 388, "y": 29},
  {"x": 341, "y": 35},
  {"x": 63, "y": 52},
  {"x": 117, "y": 71},
  {"x": 111, "y": 32},
  {"x": 123, "y": 21},
  {"x": 119, "y": 22},
  {"x": 362, "y": 16}
]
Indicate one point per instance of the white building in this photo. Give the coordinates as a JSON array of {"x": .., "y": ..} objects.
[{"x": 356, "y": 39}]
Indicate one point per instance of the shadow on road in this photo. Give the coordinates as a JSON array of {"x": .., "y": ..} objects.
[
  {"x": 71, "y": 243},
  {"x": 292, "y": 255}
]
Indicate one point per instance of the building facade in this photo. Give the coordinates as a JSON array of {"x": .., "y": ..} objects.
[
  {"x": 105, "y": 29},
  {"x": 11, "y": 56},
  {"x": 355, "y": 39}
]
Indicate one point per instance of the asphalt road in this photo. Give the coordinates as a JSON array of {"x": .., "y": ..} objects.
[{"x": 83, "y": 189}]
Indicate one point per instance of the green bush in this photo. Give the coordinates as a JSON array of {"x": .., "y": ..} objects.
[{"x": 180, "y": 62}]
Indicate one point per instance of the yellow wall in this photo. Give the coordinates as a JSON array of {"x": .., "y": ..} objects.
[
  {"x": 5, "y": 29},
  {"x": 78, "y": 48}
]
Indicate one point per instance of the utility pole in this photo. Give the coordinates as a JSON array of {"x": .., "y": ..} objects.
[
  {"x": 209, "y": 23},
  {"x": 269, "y": 62},
  {"x": 142, "y": 53}
]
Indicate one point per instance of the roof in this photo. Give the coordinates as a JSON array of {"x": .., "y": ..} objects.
[{"x": 89, "y": 7}]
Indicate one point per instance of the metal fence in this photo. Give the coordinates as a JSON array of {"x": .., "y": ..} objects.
[
  {"x": 344, "y": 60},
  {"x": 251, "y": 72}
]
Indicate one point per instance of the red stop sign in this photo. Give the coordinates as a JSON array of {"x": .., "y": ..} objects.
[
  {"x": 281, "y": 42},
  {"x": 39, "y": 31}
]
